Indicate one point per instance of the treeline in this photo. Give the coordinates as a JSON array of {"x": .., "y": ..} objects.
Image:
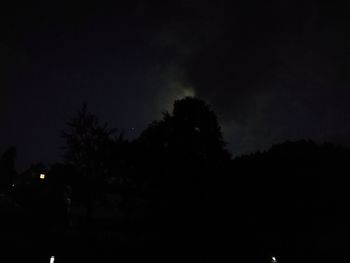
[{"x": 176, "y": 185}]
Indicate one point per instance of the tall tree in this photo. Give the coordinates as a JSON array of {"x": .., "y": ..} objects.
[
  {"x": 181, "y": 153},
  {"x": 87, "y": 149}
]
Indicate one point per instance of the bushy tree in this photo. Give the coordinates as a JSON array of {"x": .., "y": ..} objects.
[
  {"x": 190, "y": 133},
  {"x": 182, "y": 155}
]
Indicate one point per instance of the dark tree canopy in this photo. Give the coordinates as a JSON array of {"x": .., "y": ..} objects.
[
  {"x": 192, "y": 132},
  {"x": 87, "y": 143},
  {"x": 99, "y": 160},
  {"x": 180, "y": 154}
]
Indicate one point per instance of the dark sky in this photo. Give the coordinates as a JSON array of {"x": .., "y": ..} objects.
[{"x": 273, "y": 70}]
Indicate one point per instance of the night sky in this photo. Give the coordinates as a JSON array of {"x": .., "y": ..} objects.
[{"x": 273, "y": 70}]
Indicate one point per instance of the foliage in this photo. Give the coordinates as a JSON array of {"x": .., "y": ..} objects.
[
  {"x": 190, "y": 133},
  {"x": 88, "y": 144}
]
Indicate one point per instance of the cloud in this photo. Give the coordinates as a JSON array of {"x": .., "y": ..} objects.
[
  {"x": 173, "y": 86},
  {"x": 272, "y": 71}
]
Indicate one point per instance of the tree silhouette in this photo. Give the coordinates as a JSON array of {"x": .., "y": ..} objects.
[
  {"x": 180, "y": 154},
  {"x": 196, "y": 127},
  {"x": 87, "y": 149},
  {"x": 191, "y": 133}
]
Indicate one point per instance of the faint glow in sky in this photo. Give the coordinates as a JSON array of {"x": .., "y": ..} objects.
[
  {"x": 186, "y": 92},
  {"x": 174, "y": 86},
  {"x": 175, "y": 91}
]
